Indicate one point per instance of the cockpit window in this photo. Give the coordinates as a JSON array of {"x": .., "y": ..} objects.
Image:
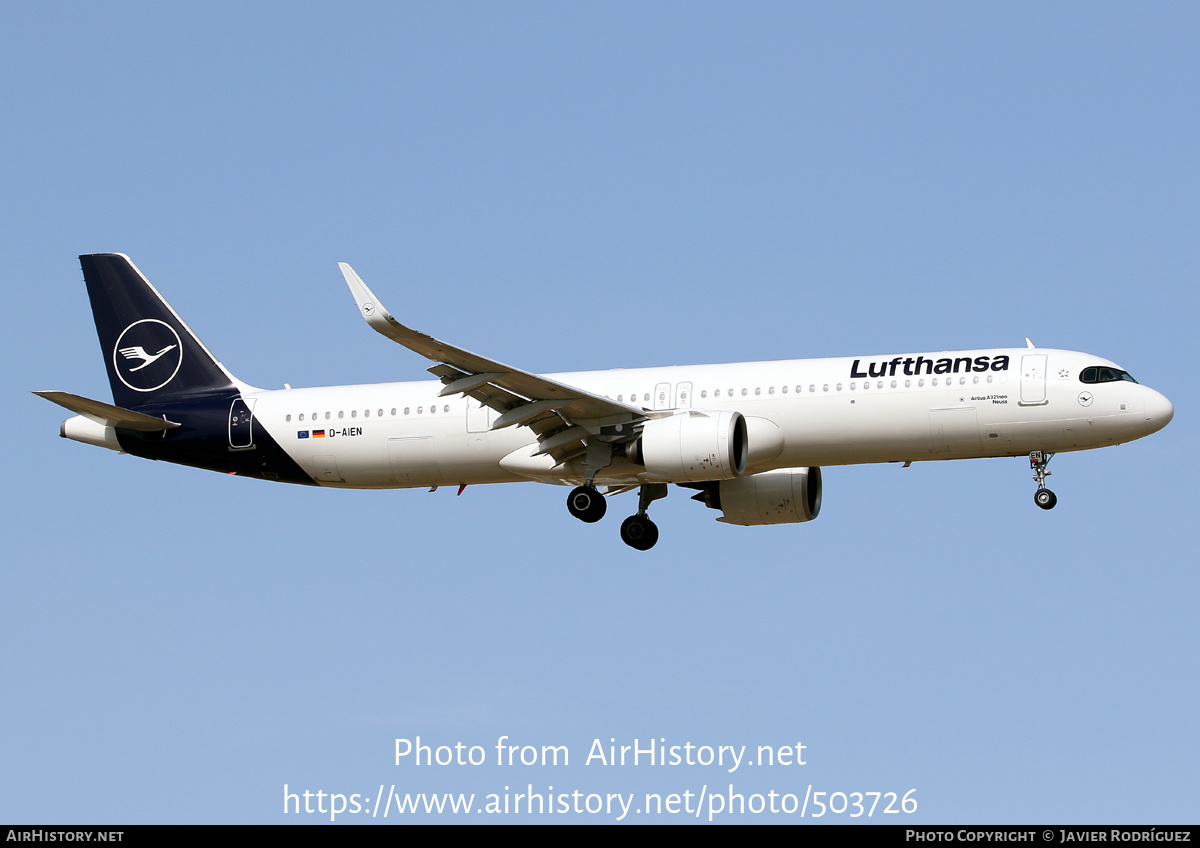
[{"x": 1104, "y": 374}]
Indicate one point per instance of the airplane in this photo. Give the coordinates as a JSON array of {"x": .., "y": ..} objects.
[{"x": 750, "y": 437}]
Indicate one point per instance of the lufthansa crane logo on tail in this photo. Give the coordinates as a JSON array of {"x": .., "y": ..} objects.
[
  {"x": 147, "y": 355},
  {"x": 136, "y": 352}
]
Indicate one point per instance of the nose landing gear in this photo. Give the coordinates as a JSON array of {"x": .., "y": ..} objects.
[{"x": 1043, "y": 497}]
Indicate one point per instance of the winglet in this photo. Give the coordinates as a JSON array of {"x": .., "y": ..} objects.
[
  {"x": 370, "y": 307},
  {"x": 1028, "y": 343}
]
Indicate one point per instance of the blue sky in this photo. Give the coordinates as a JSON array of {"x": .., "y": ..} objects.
[{"x": 571, "y": 187}]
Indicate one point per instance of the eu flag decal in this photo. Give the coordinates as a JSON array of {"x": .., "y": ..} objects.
[{"x": 303, "y": 434}]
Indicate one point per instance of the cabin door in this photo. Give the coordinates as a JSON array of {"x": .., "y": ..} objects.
[
  {"x": 241, "y": 424},
  {"x": 1033, "y": 379}
]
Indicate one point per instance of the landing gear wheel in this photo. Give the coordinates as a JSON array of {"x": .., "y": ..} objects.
[
  {"x": 1045, "y": 498},
  {"x": 586, "y": 504},
  {"x": 639, "y": 532}
]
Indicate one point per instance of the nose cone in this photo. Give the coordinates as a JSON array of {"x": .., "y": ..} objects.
[{"x": 1159, "y": 411}]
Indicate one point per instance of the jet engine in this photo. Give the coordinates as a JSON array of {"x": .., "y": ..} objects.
[
  {"x": 692, "y": 445},
  {"x": 783, "y": 496}
]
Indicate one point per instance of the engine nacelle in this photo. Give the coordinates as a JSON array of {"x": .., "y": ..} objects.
[
  {"x": 783, "y": 496},
  {"x": 693, "y": 445}
]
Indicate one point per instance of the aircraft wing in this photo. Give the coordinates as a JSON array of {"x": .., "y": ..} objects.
[{"x": 550, "y": 408}]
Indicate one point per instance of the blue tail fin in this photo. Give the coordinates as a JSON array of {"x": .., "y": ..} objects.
[{"x": 150, "y": 353}]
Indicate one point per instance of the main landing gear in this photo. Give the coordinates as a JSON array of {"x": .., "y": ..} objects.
[
  {"x": 637, "y": 531},
  {"x": 1043, "y": 497},
  {"x": 586, "y": 504}
]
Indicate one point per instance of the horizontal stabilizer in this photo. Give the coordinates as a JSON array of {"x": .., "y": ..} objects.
[{"x": 106, "y": 413}]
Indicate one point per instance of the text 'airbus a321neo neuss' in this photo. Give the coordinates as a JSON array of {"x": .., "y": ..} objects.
[{"x": 750, "y": 436}]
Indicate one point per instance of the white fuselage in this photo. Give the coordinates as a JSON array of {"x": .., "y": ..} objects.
[{"x": 805, "y": 412}]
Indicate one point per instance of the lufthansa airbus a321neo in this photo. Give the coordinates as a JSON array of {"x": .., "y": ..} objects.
[{"x": 751, "y": 437}]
